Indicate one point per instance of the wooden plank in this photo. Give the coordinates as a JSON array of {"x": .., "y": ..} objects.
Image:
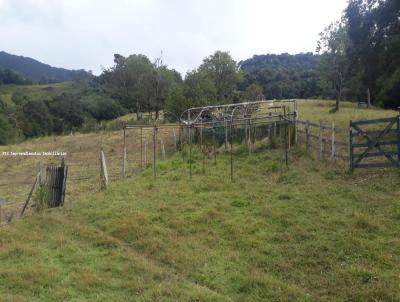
[
  {"x": 365, "y": 145},
  {"x": 374, "y": 121},
  {"x": 375, "y": 132},
  {"x": 376, "y": 165},
  {"x": 376, "y": 154}
]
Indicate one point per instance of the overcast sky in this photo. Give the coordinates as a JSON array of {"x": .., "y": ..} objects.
[{"x": 86, "y": 33}]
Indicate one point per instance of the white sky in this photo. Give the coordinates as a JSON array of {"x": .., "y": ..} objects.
[{"x": 86, "y": 33}]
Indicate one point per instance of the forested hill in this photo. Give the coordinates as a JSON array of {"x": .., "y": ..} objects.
[
  {"x": 297, "y": 62},
  {"x": 284, "y": 75},
  {"x": 38, "y": 72}
]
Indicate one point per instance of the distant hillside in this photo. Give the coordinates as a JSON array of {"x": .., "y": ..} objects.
[
  {"x": 299, "y": 62},
  {"x": 283, "y": 76},
  {"x": 39, "y": 72}
]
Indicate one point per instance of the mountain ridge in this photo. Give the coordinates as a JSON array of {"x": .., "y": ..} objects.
[{"x": 37, "y": 71}]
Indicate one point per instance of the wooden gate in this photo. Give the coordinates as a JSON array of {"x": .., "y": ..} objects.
[
  {"x": 56, "y": 184},
  {"x": 369, "y": 146}
]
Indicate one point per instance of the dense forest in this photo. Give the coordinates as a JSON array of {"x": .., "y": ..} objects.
[{"x": 357, "y": 59}]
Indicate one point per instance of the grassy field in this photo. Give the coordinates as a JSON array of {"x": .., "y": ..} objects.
[
  {"x": 307, "y": 233},
  {"x": 40, "y": 92},
  {"x": 321, "y": 110},
  {"x": 311, "y": 232}
]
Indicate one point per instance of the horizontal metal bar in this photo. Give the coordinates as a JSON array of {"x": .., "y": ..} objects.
[{"x": 375, "y": 121}]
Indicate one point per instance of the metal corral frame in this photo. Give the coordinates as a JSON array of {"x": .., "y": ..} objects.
[{"x": 230, "y": 116}]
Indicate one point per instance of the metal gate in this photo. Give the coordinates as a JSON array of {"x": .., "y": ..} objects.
[{"x": 369, "y": 146}]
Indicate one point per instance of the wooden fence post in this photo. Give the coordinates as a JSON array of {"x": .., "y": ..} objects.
[
  {"x": 333, "y": 142},
  {"x": 307, "y": 137},
  {"x": 320, "y": 155},
  {"x": 30, "y": 194}
]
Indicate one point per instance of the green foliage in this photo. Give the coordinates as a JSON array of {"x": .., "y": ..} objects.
[
  {"x": 333, "y": 67},
  {"x": 270, "y": 235},
  {"x": 282, "y": 76},
  {"x": 6, "y": 131},
  {"x": 253, "y": 93},
  {"x": 41, "y": 198},
  {"x": 225, "y": 74}
]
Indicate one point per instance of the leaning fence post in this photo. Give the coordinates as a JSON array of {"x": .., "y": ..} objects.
[
  {"x": 333, "y": 143},
  {"x": 320, "y": 141},
  {"x": 307, "y": 137},
  {"x": 30, "y": 194}
]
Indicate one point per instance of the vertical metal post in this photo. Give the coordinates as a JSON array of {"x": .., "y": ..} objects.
[
  {"x": 141, "y": 148},
  {"x": 295, "y": 126},
  {"x": 231, "y": 136},
  {"x": 190, "y": 151},
  {"x": 124, "y": 156},
  {"x": 286, "y": 144},
  {"x": 307, "y": 137},
  {"x": 214, "y": 147},
  {"x": 145, "y": 155},
  {"x": 351, "y": 150},
  {"x": 398, "y": 138},
  {"x": 320, "y": 154},
  {"x": 333, "y": 142},
  {"x": 154, "y": 150},
  {"x": 226, "y": 131}
]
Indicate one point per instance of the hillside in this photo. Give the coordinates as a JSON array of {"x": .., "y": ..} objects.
[
  {"x": 37, "y": 71},
  {"x": 283, "y": 76},
  {"x": 306, "y": 233}
]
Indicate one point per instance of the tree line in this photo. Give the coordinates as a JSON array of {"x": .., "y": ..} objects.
[
  {"x": 358, "y": 59},
  {"x": 360, "y": 54}
]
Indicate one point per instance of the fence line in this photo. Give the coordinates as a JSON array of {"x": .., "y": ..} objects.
[{"x": 323, "y": 140}]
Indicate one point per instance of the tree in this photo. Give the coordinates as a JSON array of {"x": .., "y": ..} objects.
[
  {"x": 374, "y": 52},
  {"x": 224, "y": 72},
  {"x": 333, "y": 66},
  {"x": 176, "y": 101},
  {"x": 253, "y": 93}
]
